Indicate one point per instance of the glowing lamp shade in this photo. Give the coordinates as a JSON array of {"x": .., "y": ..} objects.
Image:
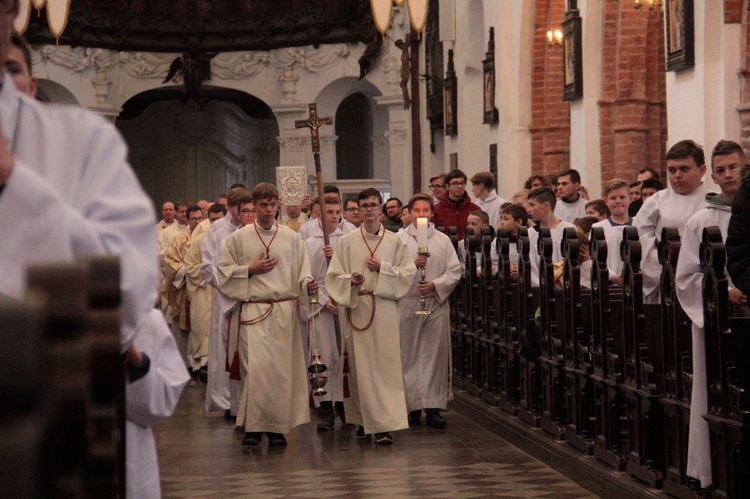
[
  {"x": 418, "y": 14},
  {"x": 381, "y": 14},
  {"x": 24, "y": 14},
  {"x": 57, "y": 15},
  {"x": 398, "y": 3}
]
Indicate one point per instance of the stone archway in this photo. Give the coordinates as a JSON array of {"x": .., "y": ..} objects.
[
  {"x": 186, "y": 149},
  {"x": 50, "y": 91}
]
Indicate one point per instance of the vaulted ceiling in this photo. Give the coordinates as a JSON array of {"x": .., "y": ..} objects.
[{"x": 209, "y": 25}]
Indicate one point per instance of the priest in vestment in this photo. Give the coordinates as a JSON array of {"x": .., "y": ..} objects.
[
  {"x": 175, "y": 281},
  {"x": 201, "y": 298},
  {"x": 219, "y": 391},
  {"x": 294, "y": 218},
  {"x": 264, "y": 267},
  {"x": 670, "y": 207},
  {"x": 726, "y": 163},
  {"x": 370, "y": 271},
  {"x": 324, "y": 314},
  {"x": 425, "y": 339}
]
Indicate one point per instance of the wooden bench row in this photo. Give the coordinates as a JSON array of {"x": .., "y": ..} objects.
[{"x": 598, "y": 368}]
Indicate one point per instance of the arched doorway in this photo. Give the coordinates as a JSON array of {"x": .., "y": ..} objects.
[
  {"x": 353, "y": 121},
  {"x": 184, "y": 149}
]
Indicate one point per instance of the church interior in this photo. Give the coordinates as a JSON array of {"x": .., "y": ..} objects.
[{"x": 206, "y": 94}]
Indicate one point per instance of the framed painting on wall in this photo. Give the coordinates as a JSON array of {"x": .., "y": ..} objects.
[
  {"x": 488, "y": 65},
  {"x": 678, "y": 17},
  {"x": 572, "y": 57},
  {"x": 450, "y": 97}
]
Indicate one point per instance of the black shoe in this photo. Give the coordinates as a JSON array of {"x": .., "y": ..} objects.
[
  {"x": 252, "y": 438},
  {"x": 339, "y": 407},
  {"x": 276, "y": 439},
  {"x": 228, "y": 415},
  {"x": 414, "y": 417},
  {"x": 384, "y": 438},
  {"x": 203, "y": 374},
  {"x": 361, "y": 433},
  {"x": 434, "y": 419},
  {"x": 327, "y": 422}
]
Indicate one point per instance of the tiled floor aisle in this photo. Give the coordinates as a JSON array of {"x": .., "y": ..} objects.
[{"x": 201, "y": 457}]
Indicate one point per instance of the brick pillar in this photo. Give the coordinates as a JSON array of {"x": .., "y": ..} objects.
[
  {"x": 632, "y": 108},
  {"x": 550, "y": 115},
  {"x": 744, "y": 72}
]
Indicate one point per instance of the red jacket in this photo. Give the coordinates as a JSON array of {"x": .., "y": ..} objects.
[{"x": 453, "y": 214}]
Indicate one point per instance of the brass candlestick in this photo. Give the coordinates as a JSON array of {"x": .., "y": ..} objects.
[{"x": 422, "y": 272}]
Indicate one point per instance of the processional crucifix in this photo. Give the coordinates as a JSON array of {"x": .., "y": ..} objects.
[{"x": 313, "y": 123}]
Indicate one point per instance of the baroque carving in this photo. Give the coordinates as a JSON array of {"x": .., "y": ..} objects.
[
  {"x": 144, "y": 64},
  {"x": 236, "y": 66}
]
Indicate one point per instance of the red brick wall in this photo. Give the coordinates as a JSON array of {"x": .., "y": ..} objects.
[
  {"x": 550, "y": 115},
  {"x": 732, "y": 11},
  {"x": 632, "y": 107}
]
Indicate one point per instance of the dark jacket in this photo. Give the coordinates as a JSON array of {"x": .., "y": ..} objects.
[
  {"x": 450, "y": 213},
  {"x": 738, "y": 239}
]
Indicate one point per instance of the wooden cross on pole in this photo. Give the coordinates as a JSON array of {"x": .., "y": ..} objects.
[{"x": 313, "y": 123}]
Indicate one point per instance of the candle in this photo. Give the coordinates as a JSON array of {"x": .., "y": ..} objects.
[{"x": 422, "y": 233}]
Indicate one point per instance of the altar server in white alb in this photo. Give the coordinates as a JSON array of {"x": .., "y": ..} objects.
[
  {"x": 571, "y": 204},
  {"x": 425, "y": 338},
  {"x": 321, "y": 323},
  {"x": 485, "y": 196},
  {"x": 370, "y": 271},
  {"x": 152, "y": 393},
  {"x": 220, "y": 394},
  {"x": 727, "y": 161},
  {"x": 616, "y": 194},
  {"x": 672, "y": 207},
  {"x": 542, "y": 211},
  {"x": 264, "y": 267},
  {"x": 67, "y": 170}
]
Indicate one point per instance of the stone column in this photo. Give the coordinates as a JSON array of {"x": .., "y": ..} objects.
[{"x": 398, "y": 165}]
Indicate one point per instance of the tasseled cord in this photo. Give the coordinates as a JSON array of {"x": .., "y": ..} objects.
[{"x": 347, "y": 394}]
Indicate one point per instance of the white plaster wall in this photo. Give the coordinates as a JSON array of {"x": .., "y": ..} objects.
[
  {"x": 585, "y": 152},
  {"x": 513, "y": 23},
  {"x": 702, "y": 101}
]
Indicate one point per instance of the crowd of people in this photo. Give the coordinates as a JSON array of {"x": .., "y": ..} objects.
[
  {"x": 252, "y": 290},
  {"x": 282, "y": 295}
]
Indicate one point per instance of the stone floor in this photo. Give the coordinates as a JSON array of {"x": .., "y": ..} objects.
[{"x": 201, "y": 456}]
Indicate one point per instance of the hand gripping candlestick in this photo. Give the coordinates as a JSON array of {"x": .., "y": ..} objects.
[{"x": 422, "y": 250}]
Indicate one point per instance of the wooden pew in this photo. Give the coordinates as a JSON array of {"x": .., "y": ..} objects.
[
  {"x": 530, "y": 404},
  {"x": 678, "y": 376},
  {"x": 473, "y": 307},
  {"x": 75, "y": 432},
  {"x": 611, "y": 442},
  {"x": 23, "y": 392},
  {"x": 551, "y": 360},
  {"x": 643, "y": 383},
  {"x": 458, "y": 323},
  {"x": 575, "y": 329},
  {"x": 490, "y": 338},
  {"x": 505, "y": 296},
  {"x": 728, "y": 375}
]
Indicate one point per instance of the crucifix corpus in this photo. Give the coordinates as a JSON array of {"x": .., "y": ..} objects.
[{"x": 313, "y": 123}]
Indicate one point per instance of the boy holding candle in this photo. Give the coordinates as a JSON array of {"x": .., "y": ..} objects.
[{"x": 425, "y": 335}]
